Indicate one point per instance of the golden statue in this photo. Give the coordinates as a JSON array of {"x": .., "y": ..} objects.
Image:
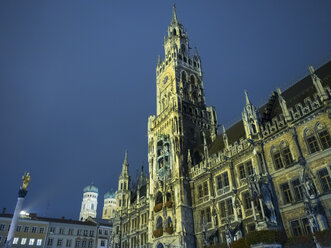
[{"x": 26, "y": 179}]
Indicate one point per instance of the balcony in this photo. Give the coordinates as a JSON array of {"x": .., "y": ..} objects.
[
  {"x": 158, "y": 207},
  {"x": 168, "y": 204},
  {"x": 158, "y": 232}
]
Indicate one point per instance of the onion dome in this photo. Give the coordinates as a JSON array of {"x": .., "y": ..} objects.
[
  {"x": 109, "y": 194},
  {"x": 91, "y": 188}
]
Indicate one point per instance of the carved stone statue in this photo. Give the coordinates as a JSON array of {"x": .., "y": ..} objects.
[
  {"x": 268, "y": 205},
  {"x": 309, "y": 189}
]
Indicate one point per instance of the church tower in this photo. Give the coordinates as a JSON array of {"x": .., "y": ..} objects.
[
  {"x": 109, "y": 205},
  {"x": 183, "y": 125},
  {"x": 123, "y": 192},
  {"x": 89, "y": 203}
]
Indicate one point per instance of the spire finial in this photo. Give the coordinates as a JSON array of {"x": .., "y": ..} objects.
[
  {"x": 126, "y": 157},
  {"x": 174, "y": 15},
  {"x": 224, "y": 131},
  {"x": 196, "y": 52},
  {"x": 247, "y": 99}
]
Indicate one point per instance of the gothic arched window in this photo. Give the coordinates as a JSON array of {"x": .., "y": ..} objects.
[
  {"x": 286, "y": 153},
  {"x": 159, "y": 223},
  {"x": 276, "y": 156},
  {"x": 311, "y": 141},
  {"x": 160, "y": 246},
  {"x": 159, "y": 198},
  {"x": 174, "y": 32},
  {"x": 323, "y": 136}
]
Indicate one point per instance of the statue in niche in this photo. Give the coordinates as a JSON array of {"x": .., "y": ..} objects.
[
  {"x": 309, "y": 189},
  {"x": 233, "y": 234},
  {"x": 261, "y": 190},
  {"x": 311, "y": 216},
  {"x": 237, "y": 205},
  {"x": 268, "y": 206},
  {"x": 204, "y": 231}
]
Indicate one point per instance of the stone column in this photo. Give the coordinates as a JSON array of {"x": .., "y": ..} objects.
[{"x": 21, "y": 195}]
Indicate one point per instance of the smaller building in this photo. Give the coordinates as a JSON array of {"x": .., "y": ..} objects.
[
  {"x": 70, "y": 233},
  {"x": 104, "y": 231},
  {"x": 89, "y": 202},
  {"x": 33, "y": 231},
  {"x": 29, "y": 232},
  {"x": 109, "y": 206}
]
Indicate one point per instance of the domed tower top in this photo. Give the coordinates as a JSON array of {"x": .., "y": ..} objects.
[
  {"x": 91, "y": 188},
  {"x": 109, "y": 205},
  {"x": 89, "y": 202},
  {"x": 109, "y": 195}
]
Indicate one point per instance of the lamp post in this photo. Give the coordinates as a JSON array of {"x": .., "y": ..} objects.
[{"x": 21, "y": 195}]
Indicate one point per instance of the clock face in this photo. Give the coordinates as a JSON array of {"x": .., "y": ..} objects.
[{"x": 165, "y": 80}]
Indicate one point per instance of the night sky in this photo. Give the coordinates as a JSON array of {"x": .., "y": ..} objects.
[{"x": 77, "y": 81}]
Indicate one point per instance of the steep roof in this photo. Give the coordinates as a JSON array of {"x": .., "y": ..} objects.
[{"x": 293, "y": 95}]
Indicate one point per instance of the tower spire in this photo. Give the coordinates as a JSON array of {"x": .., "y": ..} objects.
[
  {"x": 125, "y": 166},
  {"x": 126, "y": 157},
  {"x": 174, "y": 14},
  {"x": 247, "y": 99}
]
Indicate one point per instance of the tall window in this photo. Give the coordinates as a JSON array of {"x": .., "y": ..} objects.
[
  {"x": 278, "y": 161},
  {"x": 229, "y": 206},
  {"x": 287, "y": 156},
  {"x": 325, "y": 139},
  {"x": 68, "y": 243},
  {"x": 222, "y": 209},
  {"x": 90, "y": 244},
  {"x": 247, "y": 201},
  {"x": 297, "y": 189},
  {"x": 242, "y": 171},
  {"x": 246, "y": 169},
  {"x": 59, "y": 242},
  {"x": 222, "y": 180},
  {"x": 15, "y": 240},
  {"x": 287, "y": 196},
  {"x": 311, "y": 141},
  {"x": 249, "y": 168},
  {"x": 50, "y": 242},
  {"x": 324, "y": 179},
  {"x": 205, "y": 188},
  {"x": 31, "y": 241},
  {"x": 323, "y": 136},
  {"x": 2, "y": 227}
]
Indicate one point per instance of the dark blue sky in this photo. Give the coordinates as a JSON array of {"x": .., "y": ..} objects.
[{"x": 77, "y": 81}]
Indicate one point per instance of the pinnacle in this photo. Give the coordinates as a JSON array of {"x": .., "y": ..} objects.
[
  {"x": 174, "y": 15},
  {"x": 247, "y": 99},
  {"x": 126, "y": 157}
]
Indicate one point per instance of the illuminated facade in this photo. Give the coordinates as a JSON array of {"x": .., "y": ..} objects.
[
  {"x": 109, "y": 206},
  {"x": 269, "y": 171},
  {"x": 89, "y": 202}
]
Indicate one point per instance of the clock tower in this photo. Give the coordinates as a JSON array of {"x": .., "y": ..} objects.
[{"x": 177, "y": 138}]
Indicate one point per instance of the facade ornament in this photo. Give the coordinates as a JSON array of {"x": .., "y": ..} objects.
[
  {"x": 283, "y": 106},
  {"x": 318, "y": 84}
]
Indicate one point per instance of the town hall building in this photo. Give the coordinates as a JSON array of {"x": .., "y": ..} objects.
[{"x": 269, "y": 171}]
